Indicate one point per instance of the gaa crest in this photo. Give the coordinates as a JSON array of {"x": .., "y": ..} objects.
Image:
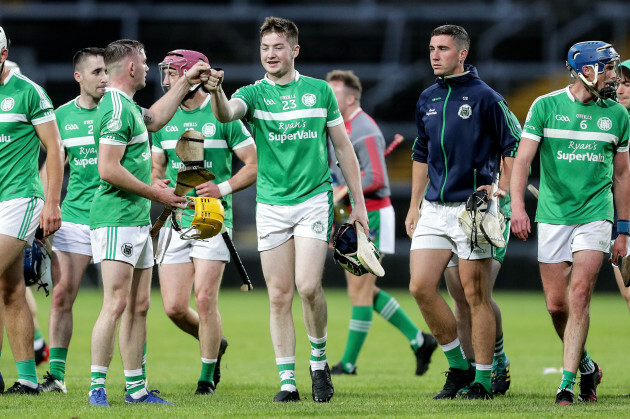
[
  {"x": 114, "y": 124},
  {"x": 465, "y": 111},
  {"x": 605, "y": 124},
  {"x": 7, "y": 104},
  {"x": 309, "y": 99},
  {"x": 209, "y": 129},
  {"x": 127, "y": 249}
]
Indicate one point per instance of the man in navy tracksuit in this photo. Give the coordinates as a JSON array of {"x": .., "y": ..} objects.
[{"x": 463, "y": 127}]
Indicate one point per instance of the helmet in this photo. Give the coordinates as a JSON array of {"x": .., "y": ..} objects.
[
  {"x": 11, "y": 65},
  {"x": 4, "y": 43},
  {"x": 181, "y": 60},
  {"x": 595, "y": 54},
  {"x": 208, "y": 219},
  {"x": 346, "y": 250},
  {"x": 36, "y": 266}
]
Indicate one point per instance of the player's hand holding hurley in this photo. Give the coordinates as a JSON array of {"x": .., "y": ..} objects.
[{"x": 167, "y": 197}]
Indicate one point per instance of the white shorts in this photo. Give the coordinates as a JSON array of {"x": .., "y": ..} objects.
[
  {"x": 19, "y": 217},
  {"x": 182, "y": 251},
  {"x": 278, "y": 223},
  {"x": 383, "y": 229},
  {"x": 132, "y": 245},
  {"x": 73, "y": 238},
  {"x": 557, "y": 243},
  {"x": 498, "y": 253},
  {"x": 438, "y": 228}
]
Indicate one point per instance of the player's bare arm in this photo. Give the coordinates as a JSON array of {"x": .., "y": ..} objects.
[
  {"x": 621, "y": 183},
  {"x": 163, "y": 110},
  {"x": 521, "y": 226},
  {"x": 349, "y": 165},
  {"x": 242, "y": 179},
  {"x": 50, "y": 219},
  {"x": 224, "y": 110},
  {"x": 419, "y": 181},
  {"x": 111, "y": 171},
  {"x": 158, "y": 170}
]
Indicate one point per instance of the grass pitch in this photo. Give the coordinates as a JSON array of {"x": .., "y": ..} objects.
[{"x": 385, "y": 384}]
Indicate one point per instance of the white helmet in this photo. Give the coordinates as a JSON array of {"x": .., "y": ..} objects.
[{"x": 3, "y": 40}]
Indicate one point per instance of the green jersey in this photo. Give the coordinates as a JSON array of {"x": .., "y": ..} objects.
[
  {"x": 119, "y": 122},
  {"x": 578, "y": 142},
  {"x": 289, "y": 124},
  {"x": 23, "y": 105},
  {"x": 220, "y": 141},
  {"x": 76, "y": 125}
]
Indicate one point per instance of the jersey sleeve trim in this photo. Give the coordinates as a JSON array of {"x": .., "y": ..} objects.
[
  {"x": 44, "y": 119},
  {"x": 334, "y": 122},
  {"x": 245, "y": 143},
  {"x": 623, "y": 149},
  {"x": 532, "y": 136},
  {"x": 156, "y": 149},
  {"x": 111, "y": 141},
  {"x": 243, "y": 102}
]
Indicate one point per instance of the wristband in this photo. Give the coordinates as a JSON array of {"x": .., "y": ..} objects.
[
  {"x": 226, "y": 189},
  {"x": 623, "y": 227}
]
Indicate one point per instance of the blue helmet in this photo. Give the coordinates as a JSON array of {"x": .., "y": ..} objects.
[
  {"x": 591, "y": 53},
  {"x": 36, "y": 266}
]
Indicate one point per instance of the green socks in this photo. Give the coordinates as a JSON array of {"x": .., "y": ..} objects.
[
  {"x": 98, "y": 377},
  {"x": 389, "y": 308},
  {"x": 134, "y": 382},
  {"x": 455, "y": 355},
  {"x": 483, "y": 376},
  {"x": 27, "y": 374},
  {"x": 568, "y": 380},
  {"x": 359, "y": 327},
  {"x": 207, "y": 370},
  {"x": 586, "y": 364},
  {"x": 58, "y": 358}
]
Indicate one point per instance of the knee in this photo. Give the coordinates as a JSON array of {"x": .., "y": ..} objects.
[
  {"x": 421, "y": 292},
  {"x": 557, "y": 308},
  {"x": 175, "y": 310},
  {"x": 280, "y": 300},
  {"x": 115, "y": 306},
  {"x": 206, "y": 303},
  {"x": 61, "y": 297},
  {"x": 309, "y": 293}
]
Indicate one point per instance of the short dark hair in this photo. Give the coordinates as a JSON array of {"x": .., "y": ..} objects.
[
  {"x": 459, "y": 35},
  {"x": 281, "y": 25},
  {"x": 349, "y": 79},
  {"x": 81, "y": 55},
  {"x": 123, "y": 48}
]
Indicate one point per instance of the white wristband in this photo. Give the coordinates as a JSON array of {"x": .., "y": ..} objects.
[{"x": 224, "y": 188}]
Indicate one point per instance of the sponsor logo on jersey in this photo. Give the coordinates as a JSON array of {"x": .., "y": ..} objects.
[
  {"x": 465, "y": 98},
  {"x": 190, "y": 124},
  {"x": 45, "y": 104},
  {"x": 300, "y": 135},
  {"x": 114, "y": 124},
  {"x": 88, "y": 122},
  {"x": 309, "y": 99},
  {"x": 85, "y": 161},
  {"x": 590, "y": 157},
  {"x": 563, "y": 118},
  {"x": 5, "y": 138},
  {"x": 127, "y": 249},
  {"x": 317, "y": 227},
  {"x": 284, "y": 127},
  {"x": 180, "y": 165},
  {"x": 269, "y": 102},
  {"x": 209, "y": 129},
  {"x": 605, "y": 124},
  {"x": 431, "y": 111},
  {"x": 435, "y": 99},
  {"x": 465, "y": 111},
  {"x": 70, "y": 127},
  {"x": 583, "y": 116},
  {"x": 7, "y": 104},
  {"x": 286, "y": 97},
  {"x": 171, "y": 128}
]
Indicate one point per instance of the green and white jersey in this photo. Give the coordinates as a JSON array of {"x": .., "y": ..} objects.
[
  {"x": 23, "y": 105},
  {"x": 289, "y": 125},
  {"x": 119, "y": 122},
  {"x": 578, "y": 142},
  {"x": 76, "y": 125},
  {"x": 220, "y": 141}
]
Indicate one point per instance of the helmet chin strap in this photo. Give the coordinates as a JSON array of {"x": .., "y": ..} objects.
[{"x": 590, "y": 86}]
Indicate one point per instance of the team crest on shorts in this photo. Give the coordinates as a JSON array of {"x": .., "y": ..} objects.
[
  {"x": 7, "y": 104},
  {"x": 114, "y": 124},
  {"x": 309, "y": 99},
  {"x": 465, "y": 111},
  {"x": 127, "y": 249},
  {"x": 318, "y": 227},
  {"x": 605, "y": 124},
  {"x": 209, "y": 129}
]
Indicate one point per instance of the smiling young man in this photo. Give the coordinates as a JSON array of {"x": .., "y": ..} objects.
[
  {"x": 583, "y": 142},
  {"x": 291, "y": 115},
  {"x": 464, "y": 127}
]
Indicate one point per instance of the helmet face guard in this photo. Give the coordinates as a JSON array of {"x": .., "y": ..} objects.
[
  {"x": 208, "y": 218},
  {"x": 36, "y": 266},
  {"x": 594, "y": 54},
  {"x": 180, "y": 60},
  {"x": 346, "y": 249}
]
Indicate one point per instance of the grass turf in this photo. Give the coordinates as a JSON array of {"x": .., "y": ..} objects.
[{"x": 385, "y": 384}]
